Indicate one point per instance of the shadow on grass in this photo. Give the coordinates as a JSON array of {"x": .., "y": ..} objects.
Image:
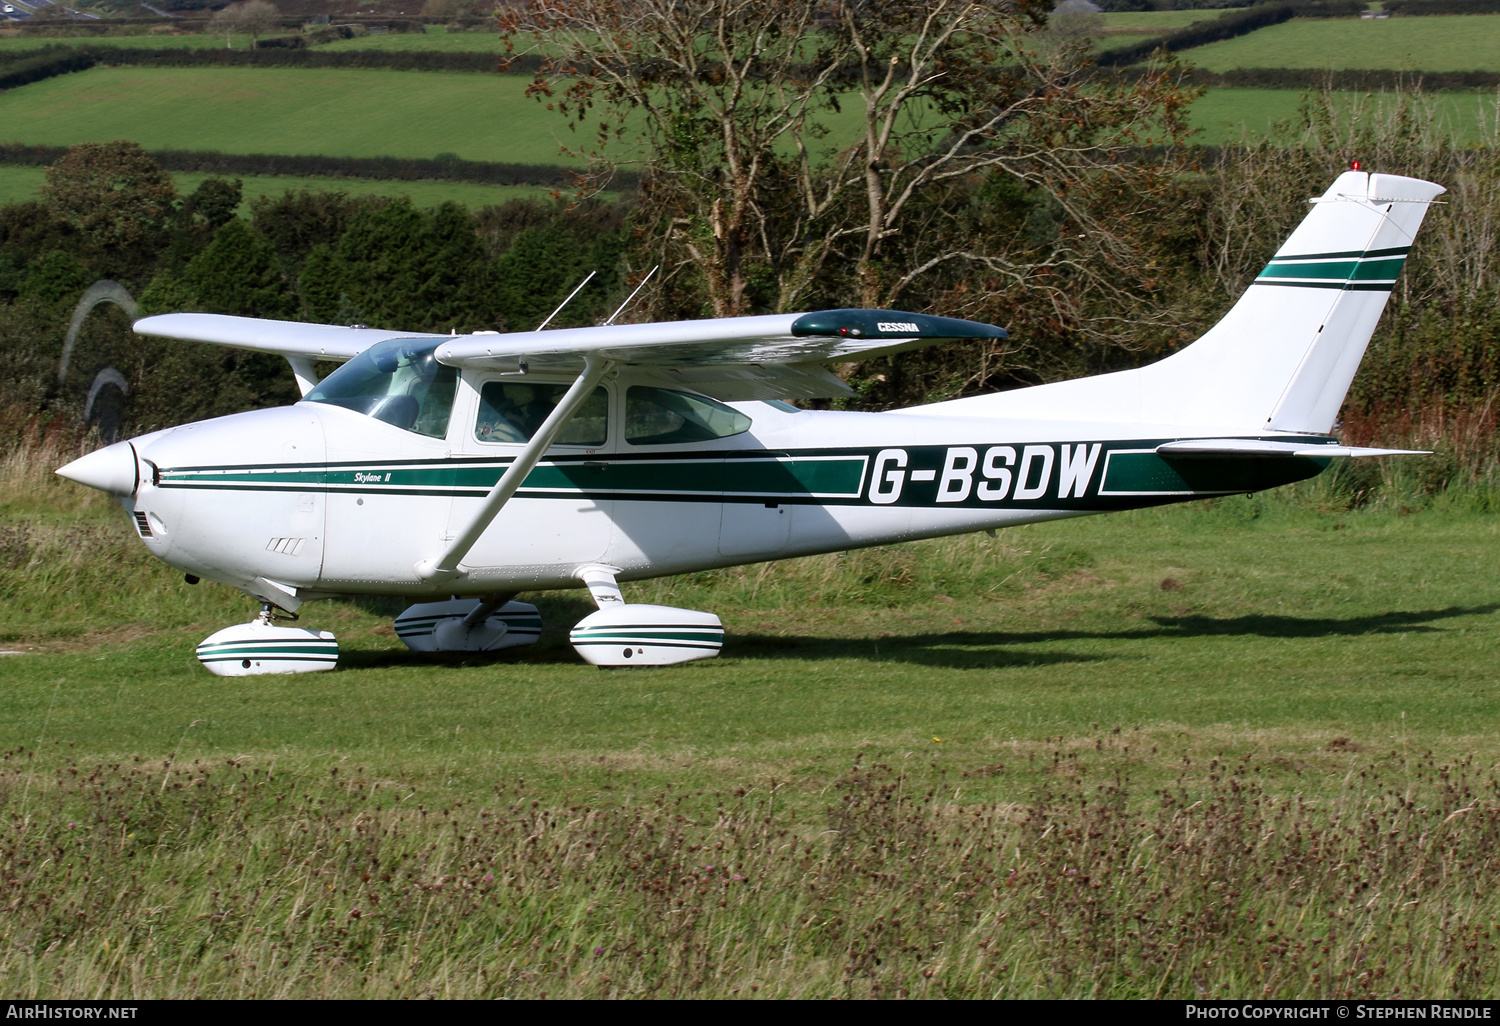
[
  {"x": 962, "y": 650},
  {"x": 995, "y": 649},
  {"x": 1259, "y": 625}
]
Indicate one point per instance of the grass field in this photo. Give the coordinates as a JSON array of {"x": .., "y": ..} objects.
[
  {"x": 21, "y": 183},
  {"x": 186, "y": 41},
  {"x": 294, "y": 111},
  {"x": 1155, "y": 21},
  {"x": 1199, "y": 750},
  {"x": 413, "y": 114},
  {"x": 1227, "y": 116},
  {"x": 436, "y": 39},
  {"x": 1469, "y": 42}
]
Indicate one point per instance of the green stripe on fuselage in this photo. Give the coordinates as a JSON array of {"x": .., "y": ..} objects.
[
  {"x": 686, "y": 475},
  {"x": 1145, "y": 473}
]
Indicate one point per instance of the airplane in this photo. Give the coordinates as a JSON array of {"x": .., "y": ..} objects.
[{"x": 462, "y": 470}]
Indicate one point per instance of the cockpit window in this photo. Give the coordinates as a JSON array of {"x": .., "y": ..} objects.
[
  {"x": 399, "y": 382},
  {"x": 659, "y": 416},
  {"x": 511, "y": 411}
]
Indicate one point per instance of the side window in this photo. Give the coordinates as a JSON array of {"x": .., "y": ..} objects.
[
  {"x": 511, "y": 412},
  {"x": 659, "y": 416}
]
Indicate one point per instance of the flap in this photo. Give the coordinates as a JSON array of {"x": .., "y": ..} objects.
[{"x": 1207, "y": 448}]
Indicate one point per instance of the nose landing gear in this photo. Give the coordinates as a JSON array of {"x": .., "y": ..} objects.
[{"x": 263, "y": 646}]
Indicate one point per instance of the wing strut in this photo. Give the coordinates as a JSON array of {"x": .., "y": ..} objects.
[{"x": 445, "y": 567}]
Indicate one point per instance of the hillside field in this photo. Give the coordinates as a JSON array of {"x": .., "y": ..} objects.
[
  {"x": 293, "y": 111},
  {"x": 1155, "y": 21},
  {"x": 416, "y": 114},
  {"x": 1468, "y": 42},
  {"x": 1227, "y": 116},
  {"x": 185, "y": 40}
]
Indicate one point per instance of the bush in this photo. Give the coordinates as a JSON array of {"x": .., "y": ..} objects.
[
  {"x": 403, "y": 169},
  {"x": 281, "y": 56},
  {"x": 44, "y": 66}
]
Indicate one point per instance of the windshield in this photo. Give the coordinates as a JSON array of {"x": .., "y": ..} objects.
[{"x": 399, "y": 382}]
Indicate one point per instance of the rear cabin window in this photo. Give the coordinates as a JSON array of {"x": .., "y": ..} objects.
[
  {"x": 660, "y": 416},
  {"x": 511, "y": 412}
]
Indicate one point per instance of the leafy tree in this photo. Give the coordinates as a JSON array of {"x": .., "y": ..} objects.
[
  {"x": 297, "y": 222},
  {"x": 56, "y": 277},
  {"x": 541, "y": 268},
  {"x": 214, "y": 202},
  {"x": 402, "y": 267},
  {"x": 239, "y": 274},
  {"x": 113, "y": 193}
]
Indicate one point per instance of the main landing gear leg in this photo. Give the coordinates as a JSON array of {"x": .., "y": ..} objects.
[
  {"x": 634, "y": 634},
  {"x": 264, "y": 646}
]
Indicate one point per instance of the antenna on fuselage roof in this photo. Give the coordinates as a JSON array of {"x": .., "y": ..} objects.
[
  {"x": 632, "y": 295},
  {"x": 565, "y": 302}
]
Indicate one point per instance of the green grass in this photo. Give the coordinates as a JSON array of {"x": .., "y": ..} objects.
[
  {"x": 1227, "y": 116},
  {"x": 1151, "y": 754},
  {"x": 22, "y": 183},
  {"x": 1468, "y": 42},
  {"x": 292, "y": 111},
  {"x": 437, "y": 39},
  {"x": 1155, "y": 21},
  {"x": 305, "y": 111},
  {"x": 1279, "y": 622},
  {"x": 188, "y": 41}
]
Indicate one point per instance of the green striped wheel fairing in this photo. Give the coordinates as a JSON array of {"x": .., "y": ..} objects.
[
  {"x": 666, "y": 635},
  {"x": 270, "y": 651}
]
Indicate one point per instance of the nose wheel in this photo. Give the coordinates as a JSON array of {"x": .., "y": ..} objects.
[{"x": 265, "y": 646}]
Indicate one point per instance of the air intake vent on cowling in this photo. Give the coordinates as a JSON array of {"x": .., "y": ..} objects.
[{"x": 142, "y": 524}]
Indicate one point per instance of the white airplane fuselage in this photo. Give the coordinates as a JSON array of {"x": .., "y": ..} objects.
[{"x": 315, "y": 500}]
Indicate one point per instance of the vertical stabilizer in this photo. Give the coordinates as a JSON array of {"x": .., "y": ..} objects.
[{"x": 1283, "y": 357}]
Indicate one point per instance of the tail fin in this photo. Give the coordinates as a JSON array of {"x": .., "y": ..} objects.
[{"x": 1283, "y": 357}]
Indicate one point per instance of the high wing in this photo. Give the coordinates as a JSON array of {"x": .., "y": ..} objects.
[
  {"x": 285, "y": 338},
  {"x": 776, "y": 356},
  {"x": 302, "y": 344}
]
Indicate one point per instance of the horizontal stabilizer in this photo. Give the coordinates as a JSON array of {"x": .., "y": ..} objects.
[{"x": 1210, "y": 448}]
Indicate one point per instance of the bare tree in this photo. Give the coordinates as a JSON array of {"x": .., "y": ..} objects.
[
  {"x": 253, "y": 17},
  {"x": 788, "y": 142}
]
